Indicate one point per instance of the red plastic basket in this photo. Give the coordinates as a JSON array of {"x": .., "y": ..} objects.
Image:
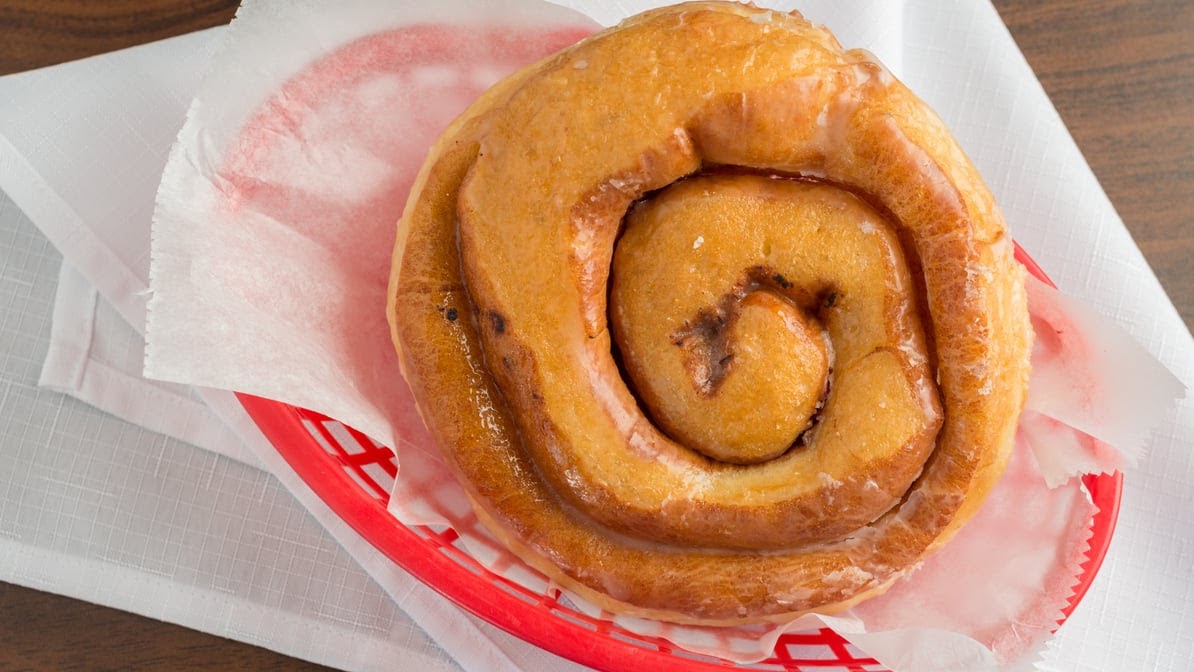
[{"x": 353, "y": 475}]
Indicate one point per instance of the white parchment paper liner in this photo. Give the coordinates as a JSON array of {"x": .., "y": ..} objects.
[{"x": 271, "y": 246}]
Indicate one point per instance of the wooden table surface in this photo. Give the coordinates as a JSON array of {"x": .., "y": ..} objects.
[{"x": 1121, "y": 72}]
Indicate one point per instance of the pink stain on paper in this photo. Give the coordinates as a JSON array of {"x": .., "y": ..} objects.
[
  {"x": 1007, "y": 575},
  {"x": 324, "y": 168},
  {"x": 1066, "y": 367},
  {"x": 1060, "y": 347},
  {"x": 333, "y": 154}
]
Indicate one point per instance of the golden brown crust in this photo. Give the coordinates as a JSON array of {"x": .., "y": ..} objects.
[{"x": 884, "y": 278}]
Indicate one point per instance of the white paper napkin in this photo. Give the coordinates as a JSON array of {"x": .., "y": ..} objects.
[
  {"x": 96, "y": 356},
  {"x": 100, "y": 509},
  {"x": 1135, "y": 615}
]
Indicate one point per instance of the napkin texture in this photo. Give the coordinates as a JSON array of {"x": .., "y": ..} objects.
[
  {"x": 103, "y": 510},
  {"x": 82, "y": 146},
  {"x": 94, "y": 355}
]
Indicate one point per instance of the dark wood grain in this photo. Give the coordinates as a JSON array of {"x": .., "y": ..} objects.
[
  {"x": 1121, "y": 73},
  {"x": 35, "y": 33},
  {"x": 41, "y": 631}
]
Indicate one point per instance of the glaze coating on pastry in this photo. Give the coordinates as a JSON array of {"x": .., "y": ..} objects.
[{"x": 713, "y": 320}]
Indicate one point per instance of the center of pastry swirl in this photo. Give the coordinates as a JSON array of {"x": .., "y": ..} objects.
[
  {"x": 735, "y": 300},
  {"x": 768, "y": 329}
]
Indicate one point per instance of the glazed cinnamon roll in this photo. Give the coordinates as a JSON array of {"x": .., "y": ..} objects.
[{"x": 713, "y": 319}]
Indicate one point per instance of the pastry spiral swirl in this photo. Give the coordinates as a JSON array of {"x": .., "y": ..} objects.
[{"x": 713, "y": 320}]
